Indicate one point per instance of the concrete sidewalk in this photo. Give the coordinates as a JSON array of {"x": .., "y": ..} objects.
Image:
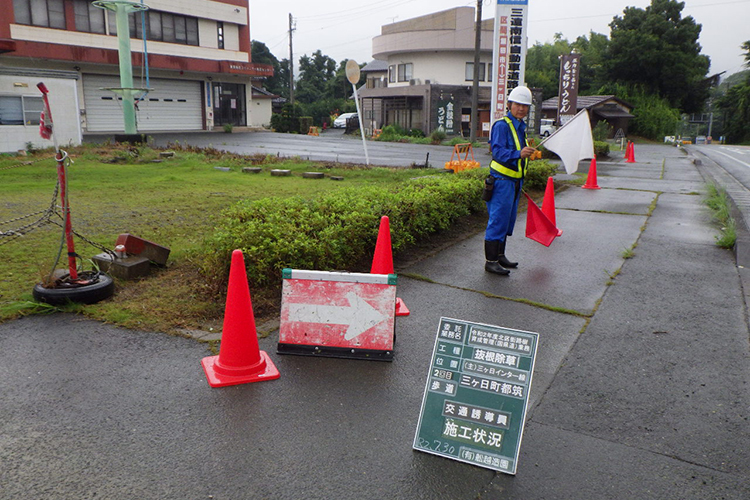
[{"x": 640, "y": 387}]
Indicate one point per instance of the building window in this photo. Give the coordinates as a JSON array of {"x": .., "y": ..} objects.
[
  {"x": 405, "y": 72},
  {"x": 220, "y": 33},
  {"x": 469, "y": 76},
  {"x": 392, "y": 73},
  {"x": 489, "y": 72},
  {"x": 47, "y": 13},
  {"x": 161, "y": 27},
  {"x": 89, "y": 18},
  {"x": 20, "y": 110}
]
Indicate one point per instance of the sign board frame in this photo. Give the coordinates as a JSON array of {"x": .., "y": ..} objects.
[
  {"x": 338, "y": 314},
  {"x": 476, "y": 395}
]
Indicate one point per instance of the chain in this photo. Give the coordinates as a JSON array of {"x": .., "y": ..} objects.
[
  {"x": 46, "y": 218},
  {"x": 26, "y": 163}
]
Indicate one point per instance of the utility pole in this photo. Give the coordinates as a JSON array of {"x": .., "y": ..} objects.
[
  {"x": 291, "y": 60},
  {"x": 475, "y": 83}
]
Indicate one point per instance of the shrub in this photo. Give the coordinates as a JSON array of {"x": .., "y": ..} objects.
[
  {"x": 438, "y": 136},
  {"x": 601, "y": 131},
  {"x": 336, "y": 230},
  {"x": 601, "y": 149},
  {"x": 305, "y": 122},
  {"x": 288, "y": 119},
  {"x": 228, "y": 127},
  {"x": 537, "y": 174}
]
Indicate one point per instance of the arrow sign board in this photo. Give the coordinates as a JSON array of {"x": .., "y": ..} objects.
[
  {"x": 474, "y": 404},
  {"x": 338, "y": 314}
]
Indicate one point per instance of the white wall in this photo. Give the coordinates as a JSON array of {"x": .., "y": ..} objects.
[
  {"x": 259, "y": 112},
  {"x": 444, "y": 68},
  {"x": 63, "y": 101}
]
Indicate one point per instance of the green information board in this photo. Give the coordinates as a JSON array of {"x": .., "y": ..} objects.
[{"x": 474, "y": 405}]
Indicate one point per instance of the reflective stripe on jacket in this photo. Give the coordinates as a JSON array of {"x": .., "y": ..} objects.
[{"x": 519, "y": 170}]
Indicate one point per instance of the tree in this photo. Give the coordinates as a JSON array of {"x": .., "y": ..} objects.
[
  {"x": 260, "y": 54},
  {"x": 593, "y": 52},
  {"x": 656, "y": 49},
  {"x": 735, "y": 104},
  {"x": 315, "y": 73},
  {"x": 543, "y": 65}
]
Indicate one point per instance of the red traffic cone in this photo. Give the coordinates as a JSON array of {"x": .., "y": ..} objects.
[
  {"x": 548, "y": 204},
  {"x": 630, "y": 153},
  {"x": 538, "y": 227},
  {"x": 591, "y": 179},
  {"x": 240, "y": 360},
  {"x": 382, "y": 262}
]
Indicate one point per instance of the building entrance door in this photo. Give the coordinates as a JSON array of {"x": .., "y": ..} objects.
[{"x": 229, "y": 104}]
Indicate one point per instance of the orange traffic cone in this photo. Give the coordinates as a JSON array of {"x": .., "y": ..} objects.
[
  {"x": 382, "y": 262},
  {"x": 538, "y": 227},
  {"x": 548, "y": 204},
  {"x": 240, "y": 360},
  {"x": 591, "y": 179}
]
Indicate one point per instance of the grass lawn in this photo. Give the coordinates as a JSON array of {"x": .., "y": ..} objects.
[{"x": 174, "y": 202}]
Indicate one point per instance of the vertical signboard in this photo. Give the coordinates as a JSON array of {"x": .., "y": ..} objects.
[
  {"x": 474, "y": 404},
  {"x": 446, "y": 118},
  {"x": 567, "y": 100},
  {"x": 508, "y": 51}
]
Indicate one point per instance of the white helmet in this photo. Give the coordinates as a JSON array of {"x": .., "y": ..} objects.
[{"x": 520, "y": 95}]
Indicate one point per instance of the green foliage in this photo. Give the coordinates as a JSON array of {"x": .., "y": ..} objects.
[
  {"x": 437, "y": 136},
  {"x": 601, "y": 149},
  {"x": 305, "y": 122},
  {"x": 543, "y": 65},
  {"x": 601, "y": 131},
  {"x": 653, "y": 116},
  {"x": 288, "y": 119},
  {"x": 261, "y": 54},
  {"x": 735, "y": 105},
  {"x": 718, "y": 202},
  {"x": 228, "y": 127},
  {"x": 335, "y": 230},
  {"x": 658, "y": 50},
  {"x": 538, "y": 173},
  {"x": 315, "y": 73},
  {"x": 322, "y": 109}
]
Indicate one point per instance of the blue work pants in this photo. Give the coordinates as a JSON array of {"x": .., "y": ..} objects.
[{"x": 502, "y": 208}]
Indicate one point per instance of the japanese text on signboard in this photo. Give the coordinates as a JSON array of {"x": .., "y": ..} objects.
[
  {"x": 568, "y": 91},
  {"x": 476, "y": 394},
  {"x": 509, "y": 52}
]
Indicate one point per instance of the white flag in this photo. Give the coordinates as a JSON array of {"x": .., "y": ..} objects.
[{"x": 573, "y": 141}]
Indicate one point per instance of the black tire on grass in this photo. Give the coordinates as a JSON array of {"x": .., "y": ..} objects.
[{"x": 86, "y": 294}]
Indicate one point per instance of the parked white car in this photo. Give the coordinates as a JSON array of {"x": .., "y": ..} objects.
[
  {"x": 547, "y": 127},
  {"x": 340, "y": 122}
]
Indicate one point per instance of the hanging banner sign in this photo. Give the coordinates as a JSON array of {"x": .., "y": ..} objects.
[
  {"x": 567, "y": 100},
  {"x": 446, "y": 117},
  {"x": 508, "y": 52},
  {"x": 333, "y": 314},
  {"x": 477, "y": 391}
]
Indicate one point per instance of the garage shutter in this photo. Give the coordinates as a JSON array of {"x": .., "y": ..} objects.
[{"x": 171, "y": 105}]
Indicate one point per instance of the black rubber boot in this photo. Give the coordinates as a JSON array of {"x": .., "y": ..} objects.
[
  {"x": 491, "y": 250},
  {"x": 502, "y": 260}
]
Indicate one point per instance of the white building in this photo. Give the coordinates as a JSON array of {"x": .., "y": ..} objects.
[
  {"x": 199, "y": 72},
  {"x": 423, "y": 73}
]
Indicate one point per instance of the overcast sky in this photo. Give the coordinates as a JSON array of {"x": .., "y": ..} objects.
[{"x": 344, "y": 29}]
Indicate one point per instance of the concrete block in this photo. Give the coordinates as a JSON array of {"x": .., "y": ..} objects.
[
  {"x": 127, "y": 269},
  {"x": 144, "y": 248}
]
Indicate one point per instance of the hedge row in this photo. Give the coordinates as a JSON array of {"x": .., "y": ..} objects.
[{"x": 338, "y": 230}]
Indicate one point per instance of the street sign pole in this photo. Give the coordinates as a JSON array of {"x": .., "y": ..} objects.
[{"x": 352, "y": 74}]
